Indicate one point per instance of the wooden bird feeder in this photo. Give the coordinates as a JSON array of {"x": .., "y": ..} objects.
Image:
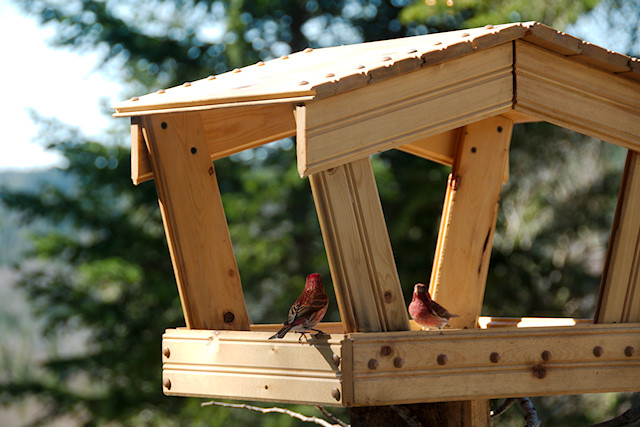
[{"x": 452, "y": 98}]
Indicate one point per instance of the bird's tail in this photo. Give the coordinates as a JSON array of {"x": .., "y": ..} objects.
[{"x": 282, "y": 332}]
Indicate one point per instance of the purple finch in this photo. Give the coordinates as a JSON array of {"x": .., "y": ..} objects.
[
  {"x": 308, "y": 309},
  {"x": 425, "y": 311}
]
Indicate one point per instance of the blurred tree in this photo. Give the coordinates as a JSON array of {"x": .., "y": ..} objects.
[{"x": 110, "y": 276}]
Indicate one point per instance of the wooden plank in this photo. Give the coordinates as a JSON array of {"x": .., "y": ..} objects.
[
  {"x": 619, "y": 298},
  {"x": 195, "y": 224},
  {"x": 140, "y": 162},
  {"x": 409, "y": 371},
  {"x": 227, "y": 131},
  {"x": 245, "y": 365},
  {"x": 577, "y": 96},
  {"x": 399, "y": 111},
  {"x": 360, "y": 257},
  {"x": 468, "y": 219},
  {"x": 463, "y": 250},
  {"x": 440, "y": 148}
]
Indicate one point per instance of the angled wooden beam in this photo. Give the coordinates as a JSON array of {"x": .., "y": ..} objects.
[
  {"x": 195, "y": 225},
  {"x": 227, "y": 131},
  {"x": 468, "y": 219},
  {"x": 399, "y": 111},
  {"x": 576, "y": 96},
  {"x": 358, "y": 248},
  {"x": 463, "y": 250},
  {"x": 619, "y": 297}
]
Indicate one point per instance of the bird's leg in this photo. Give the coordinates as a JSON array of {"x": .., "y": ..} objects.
[{"x": 302, "y": 334}]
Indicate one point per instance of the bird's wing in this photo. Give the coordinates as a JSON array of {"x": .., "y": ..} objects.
[
  {"x": 305, "y": 307},
  {"x": 440, "y": 311}
]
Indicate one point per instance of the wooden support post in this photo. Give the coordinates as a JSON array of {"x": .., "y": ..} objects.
[
  {"x": 203, "y": 260},
  {"x": 357, "y": 243},
  {"x": 619, "y": 298},
  {"x": 461, "y": 260}
]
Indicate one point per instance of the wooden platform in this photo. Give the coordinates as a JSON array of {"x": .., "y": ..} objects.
[{"x": 369, "y": 369}]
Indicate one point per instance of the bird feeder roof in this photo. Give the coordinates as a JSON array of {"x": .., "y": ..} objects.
[{"x": 318, "y": 73}]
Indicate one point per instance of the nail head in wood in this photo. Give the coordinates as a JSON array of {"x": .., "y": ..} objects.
[
  {"x": 597, "y": 351},
  {"x": 166, "y": 352},
  {"x": 335, "y": 393},
  {"x": 194, "y": 150},
  {"x": 211, "y": 170},
  {"x": 539, "y": 371},
  {"x": 494, "y": 357},
  {"x": 474, "y": 149},
  {"x": 385, "y": 351},
  {"x": 546, "y": 355},
  {"x": 163, "y": 125},
  {"x": 373, "y": 364},
  {"x": 336, "y": 360},
  {"x": 499, "y": 129},
  {"x": 166, "y": 383},
  {"x": 442, "y": 359},
  {"x": 628, "y": 351},
  {"x": 398, "y": 362},
  {"x": 228, "y": 317}
]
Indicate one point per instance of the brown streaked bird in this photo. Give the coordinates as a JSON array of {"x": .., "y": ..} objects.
[
  {"x": 308, "y": 310},
  {"x": 425, "y": 311}
]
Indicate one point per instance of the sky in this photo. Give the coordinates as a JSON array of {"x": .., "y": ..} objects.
[
  {"x": 65, "y": 85},
  {"x": 54, "y": 82}
]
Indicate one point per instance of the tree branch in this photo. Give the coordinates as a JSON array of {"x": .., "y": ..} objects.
[
  {"x": 407, "y": 415},
  {"x": 331, "y": 417},
  {"x": 292, "y": 414},
  {"x": 627, "y": 418},
  {"x": 530, "y": 415}
]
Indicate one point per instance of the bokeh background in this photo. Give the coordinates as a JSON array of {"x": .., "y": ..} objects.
[{"x": 86, "y": 284}]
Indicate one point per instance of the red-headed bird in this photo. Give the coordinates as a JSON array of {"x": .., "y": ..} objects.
[
  {"x": 308, "y": 310},
  {"x": 425, "y": 311}
]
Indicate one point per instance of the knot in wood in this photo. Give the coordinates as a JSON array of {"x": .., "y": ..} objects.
[
  {"x": 388, "y": 296},
  {"x": 398, "y": 362},
  {"x": 373, "y": 364}
]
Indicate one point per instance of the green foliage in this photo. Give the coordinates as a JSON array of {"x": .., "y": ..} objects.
[
  {"x": 442, "y": 15},
  {"x": 103, "y": 272}
]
